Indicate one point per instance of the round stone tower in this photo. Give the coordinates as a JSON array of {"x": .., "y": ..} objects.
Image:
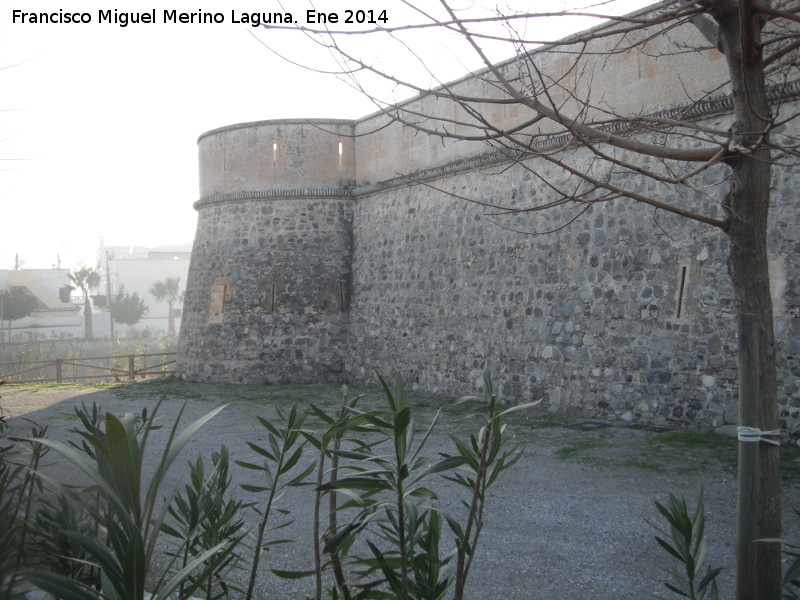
[{"x": 268, "y": 287}]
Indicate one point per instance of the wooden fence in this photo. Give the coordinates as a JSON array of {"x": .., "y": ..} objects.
[{"x": 123, "y": 367}]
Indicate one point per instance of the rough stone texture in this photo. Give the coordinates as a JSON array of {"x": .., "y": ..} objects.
[
  {"x": 627, "y": 313},
  {"x": 584, "y": 318},
  {"x": 269, "y": 285}
]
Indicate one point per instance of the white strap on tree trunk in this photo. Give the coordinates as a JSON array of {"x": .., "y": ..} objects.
[{"x": 754, "y": 434}]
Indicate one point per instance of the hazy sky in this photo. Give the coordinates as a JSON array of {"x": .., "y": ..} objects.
[{"x": 99, "y": 123}]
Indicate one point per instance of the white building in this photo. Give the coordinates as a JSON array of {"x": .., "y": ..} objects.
[
  {"x": 55, "y": 314},
  {"x": 137, "y": 269}
]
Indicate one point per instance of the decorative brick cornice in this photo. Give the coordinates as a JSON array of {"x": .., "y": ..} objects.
[
  {"x": 702, "y": 109},
  {"x": 275, "y": 194}
]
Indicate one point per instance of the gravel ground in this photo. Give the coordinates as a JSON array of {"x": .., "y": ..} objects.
[{"x": 572, "y": 528}]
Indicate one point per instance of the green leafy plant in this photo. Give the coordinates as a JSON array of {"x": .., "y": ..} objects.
[
  {"x": 485, "y": 458},
  {"x": 684, "y": 541},
  {"x": 383, "y": 484},
  {"x": 19, "y": 485},
  {"x": 791, "y": 578},
  {"x": 382, "y": 536},
  {"x": 56, "y": 550},
  {"x": 387, "y": 530},
  {"x": 283, "y": 451},
  {"x": 328, "y": 443},
  {"x": 127, "y": 512},
  {"x": 127, "y": 308},
  {"x": 203, "y": 517}
]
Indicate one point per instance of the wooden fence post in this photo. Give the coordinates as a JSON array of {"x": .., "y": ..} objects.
[
  {"x": 747, "y": 526},
  {"x": 59, "y": 370},
  {"x": 131, "y": 367}
]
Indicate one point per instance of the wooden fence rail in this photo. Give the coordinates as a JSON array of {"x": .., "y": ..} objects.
[{"x": 122, "y": 367}]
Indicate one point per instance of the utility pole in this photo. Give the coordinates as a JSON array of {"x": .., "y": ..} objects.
[{"x": 108, "y": 294}]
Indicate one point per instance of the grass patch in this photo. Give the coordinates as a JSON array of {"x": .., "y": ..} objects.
[
  {"x": 680, "y": 451},
  {"x": 690, "y": 439},
  {"x": 693, "y": 450},
  {"x": 643, "y": 463},
  {"x": 676, "y": 451},
  {"x": 543, "y": 420},
  {"x": 52, "y": 388},
  {"x": 577, "y": 448},
  {"x": 790, "y": 463}
]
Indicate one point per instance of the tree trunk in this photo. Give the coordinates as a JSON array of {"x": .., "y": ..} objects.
[
  {"x": 87, "y": 317},
  {"x": 171, "y": 320},
  {"x": 747, "y": 204}
]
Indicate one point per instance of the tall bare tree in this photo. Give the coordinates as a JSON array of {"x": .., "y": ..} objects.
[{"x": 545, "y": 113}]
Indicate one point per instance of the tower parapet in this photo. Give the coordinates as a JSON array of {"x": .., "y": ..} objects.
[{"x": 268, "y": 289}]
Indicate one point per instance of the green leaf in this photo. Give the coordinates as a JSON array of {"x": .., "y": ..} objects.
[
  {"x": 664, "y": 544},
  {"x": 446, "y": 464},
  {"x": 487, "y": 380},
  {"x": 291, "y": 461},
  {"x": 218, "y": 552},
  {"x": 341, "y": 537},
  {"x": 455, "y": 527},
  {"x": 401, "y": 421},
  {"x": 269, "y": 426},
  {"x": 399, "y": 392},
  {"x": 425, "y": 437},
  {"x": 367, "y": 484},
  {"x": 253, "y": 488},
  {"x": 352, "y": 455},
  {"x": 710, "y": 576},
  {"x": 59, "y": 585},
  {"x": 134, "y": 568},
  {"x": 249, "y": 465},
  {"x": 262, "y": 451},
  {"x": 293, "y": 574},
  {"x": 375, "y": 420},
  {"x": 424, "y": 493},
  {"x": 87, "y": 468},
  {"x": 321, "y": 414},
  {"x": 171, "y": 453},
  {"x": 387, "y": 392},
  {"x": 302, "y": 475},
  {"x": 676, "y": 590},
  {"x": 518, "y": 407}
]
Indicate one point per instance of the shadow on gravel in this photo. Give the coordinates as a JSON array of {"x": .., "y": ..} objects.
[{"x": 568, "y": 521}]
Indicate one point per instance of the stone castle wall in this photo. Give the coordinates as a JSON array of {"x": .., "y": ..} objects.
[
  {"x": 625, "y": 313},
  {"x": 316, "y": 259},
  {"x": 268, "y": 291}
]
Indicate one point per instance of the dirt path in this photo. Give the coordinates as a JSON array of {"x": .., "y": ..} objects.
[{"x": 568, "y": 522}]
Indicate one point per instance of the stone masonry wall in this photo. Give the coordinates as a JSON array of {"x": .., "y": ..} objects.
[
  {"x": 625, "y": 313},
  {"x": 317, "y": 260},
  {"x": 269, "y": 283},
  {"x": 267, "y": 300}
]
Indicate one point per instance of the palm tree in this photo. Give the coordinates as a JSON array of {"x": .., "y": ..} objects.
[
  {"x": 168, "y": 290},
  {"x": 86, "y": 278}
]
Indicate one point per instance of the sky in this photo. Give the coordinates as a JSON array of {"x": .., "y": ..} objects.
[{"x": 99, "y": 122}]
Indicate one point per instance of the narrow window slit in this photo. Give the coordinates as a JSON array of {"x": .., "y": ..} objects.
[
  {"x": 681, "y": 291},
  {"x": 274, "y": 152},
  {"x": 341, "y": 153},
  {"x": 273, "y": 297},
  {"x": 341, "y": 295}
]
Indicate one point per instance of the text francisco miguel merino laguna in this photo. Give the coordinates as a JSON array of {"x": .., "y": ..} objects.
[{"x": 199, "y": 17}]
